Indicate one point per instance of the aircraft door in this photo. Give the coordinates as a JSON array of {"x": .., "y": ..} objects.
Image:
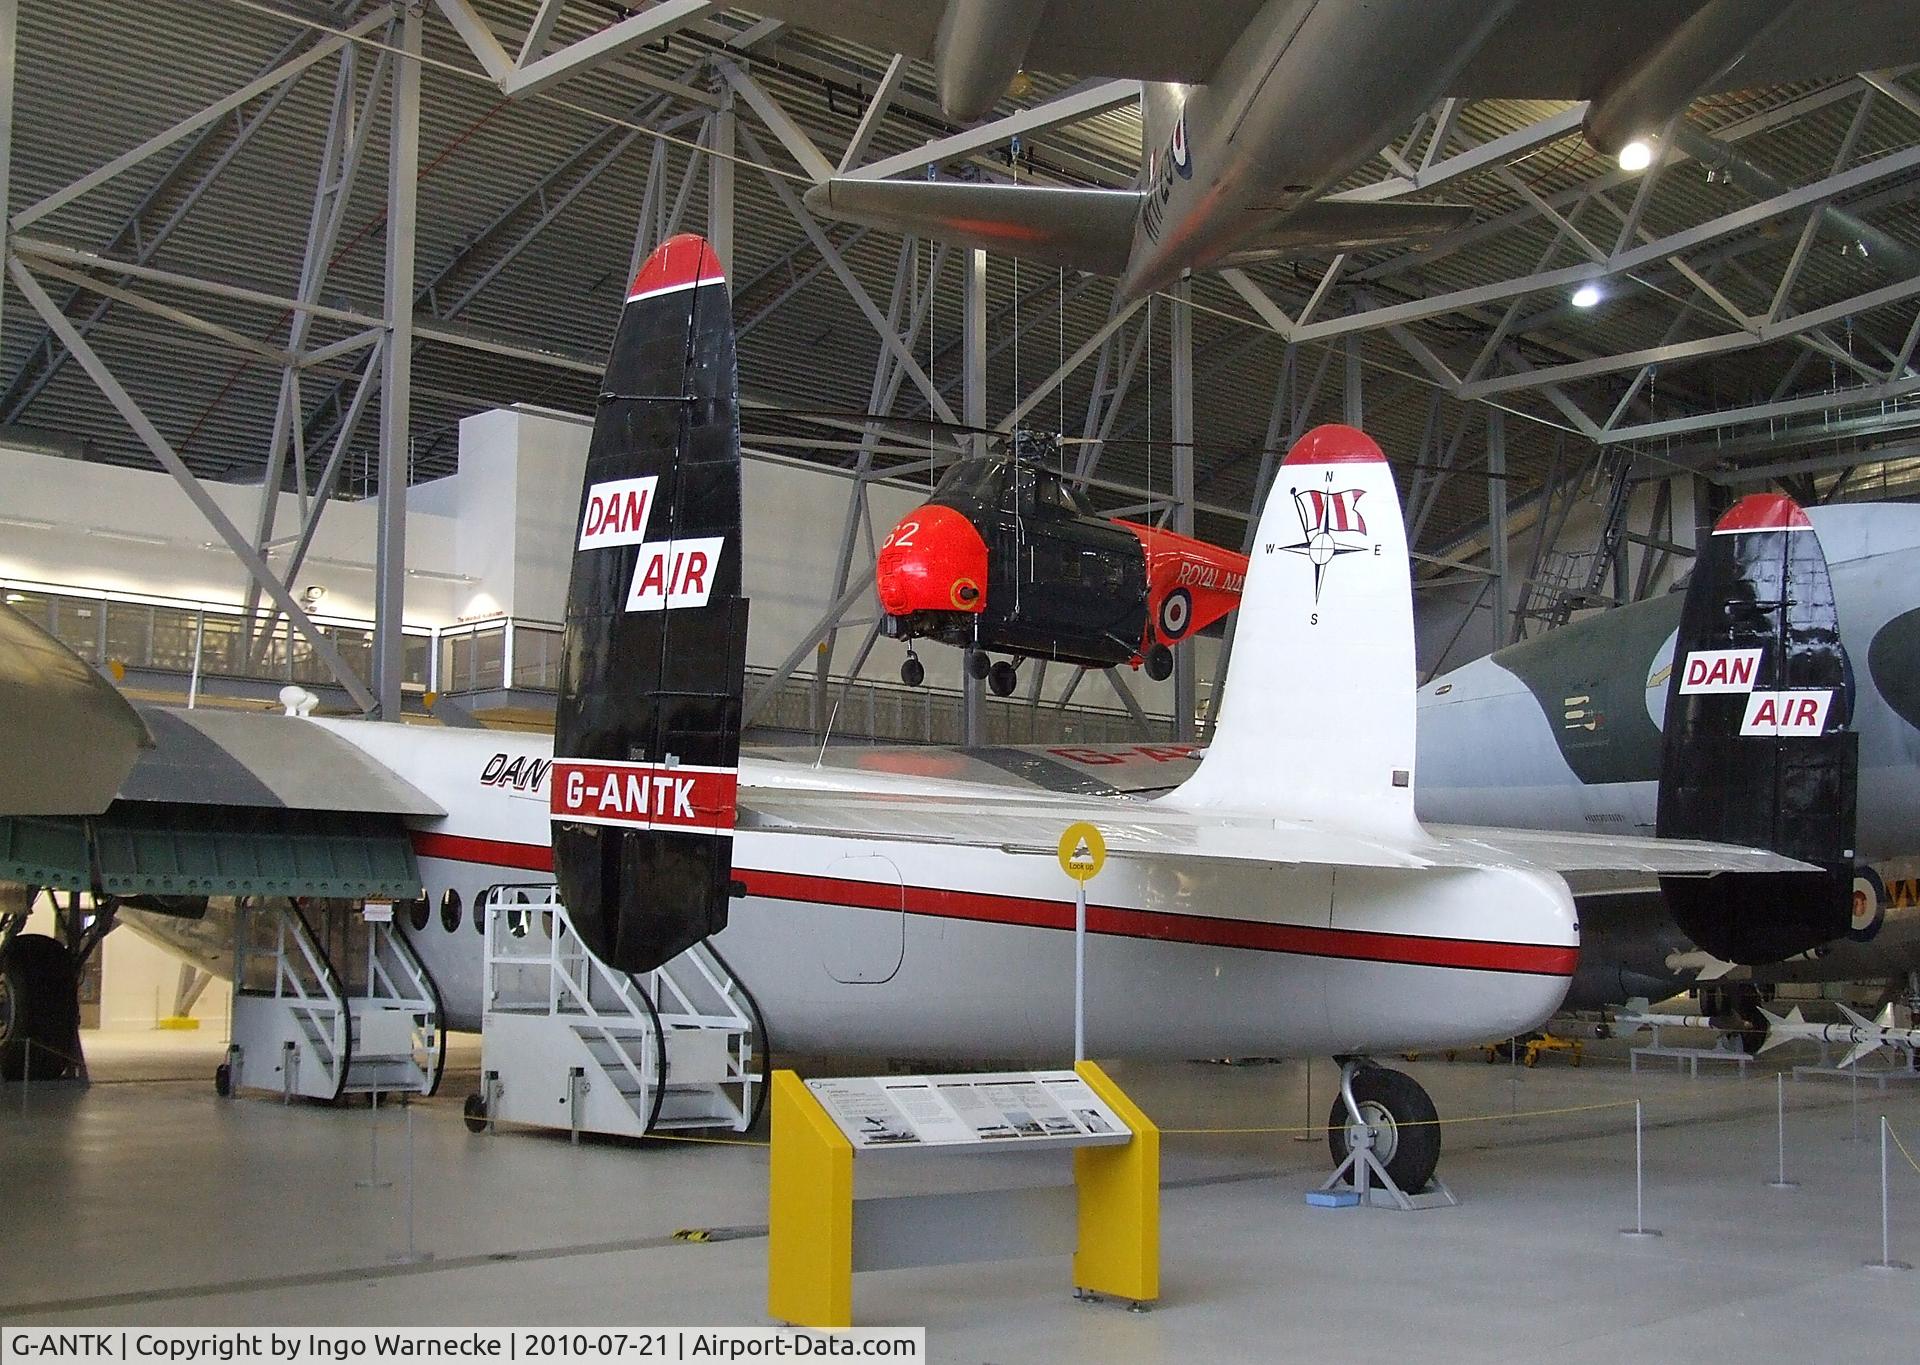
[{"x": 869, "y": 948}]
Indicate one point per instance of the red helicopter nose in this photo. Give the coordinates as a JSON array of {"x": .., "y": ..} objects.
[{"x": 934, "y": 561}]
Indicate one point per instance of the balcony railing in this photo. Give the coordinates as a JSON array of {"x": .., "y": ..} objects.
[{"x": 213, "y": 640}]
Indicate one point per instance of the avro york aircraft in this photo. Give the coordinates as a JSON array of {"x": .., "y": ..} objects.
[{"x": 1283, "y": 900}]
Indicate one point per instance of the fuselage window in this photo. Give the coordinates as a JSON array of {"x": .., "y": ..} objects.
[
  {"x": 419, "y": 913},
  {"x": 450, "y": 910}
]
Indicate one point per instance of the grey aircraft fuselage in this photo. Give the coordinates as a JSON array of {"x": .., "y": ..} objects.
[
  {"x": 1563, "y": 732},
  {"x": 1306, "y": 94}
]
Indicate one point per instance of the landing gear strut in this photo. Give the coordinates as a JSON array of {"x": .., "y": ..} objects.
[{"x": 1382, "y": 1131}]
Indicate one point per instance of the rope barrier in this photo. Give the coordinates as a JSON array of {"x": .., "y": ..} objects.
[
  {"x": 1903, "y": 1147},
  {"x": 1416, "y": 1123}
]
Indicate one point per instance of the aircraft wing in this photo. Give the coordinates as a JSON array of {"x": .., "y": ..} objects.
[
  {"x": 70, "y": 737},
  {"x": 1149, "y": 39},
  {"x": 1135, "y": 829},
  {"x": 1572, "y": 49},
  {"x": 1078, "y": 229}
]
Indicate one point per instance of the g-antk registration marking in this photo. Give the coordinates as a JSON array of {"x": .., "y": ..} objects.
[{"x": 645, "y": 795}]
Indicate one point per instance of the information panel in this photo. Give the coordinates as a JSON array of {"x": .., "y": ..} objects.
[{"x": 1013, "y": 1108}]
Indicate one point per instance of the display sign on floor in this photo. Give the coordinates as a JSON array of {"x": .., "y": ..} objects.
[{"x": 1020, "y": 1107}]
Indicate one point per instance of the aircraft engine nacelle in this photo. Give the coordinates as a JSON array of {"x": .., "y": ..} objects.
[{"x": 934, "y": 561}]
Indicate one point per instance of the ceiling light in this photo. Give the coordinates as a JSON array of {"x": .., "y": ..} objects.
[
  {"x": 1637, "y": 155},
  {"x": 1586, "y": 296}
]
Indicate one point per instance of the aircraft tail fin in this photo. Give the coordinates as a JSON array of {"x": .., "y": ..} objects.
[
  {"x": 1758, "y": 747},
  {"x": 647, "y": 732},
  {"x": 1317, "y": 715}
]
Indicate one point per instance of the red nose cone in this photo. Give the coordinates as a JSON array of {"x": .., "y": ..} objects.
[
  {"x": 933, "y": 561},
  {"x": 1335, "y": 444},
  {"x": 1763, "y": 512}
]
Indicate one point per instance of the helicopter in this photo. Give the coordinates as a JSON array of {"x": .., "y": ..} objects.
[{"x": 1008, "y": 557}]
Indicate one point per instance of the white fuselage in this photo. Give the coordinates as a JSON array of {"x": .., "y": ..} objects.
[{"x": 912, "y": 949}]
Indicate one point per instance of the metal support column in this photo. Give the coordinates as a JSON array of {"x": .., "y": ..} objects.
[
  {"x": 9, "y": 31},
  {"x": 720, "y": 181},
  {"x": 1181, "y": 522},
  {"x": 973, "y": 412},
  {"x": 396, "y": 393},
  {"x": 1497, "y": 523}
]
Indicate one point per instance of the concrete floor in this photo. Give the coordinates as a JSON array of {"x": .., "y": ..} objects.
[{"x": 147, "y": 1200}]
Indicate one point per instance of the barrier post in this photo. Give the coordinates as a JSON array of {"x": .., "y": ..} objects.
[
  {"x": 373, "y": 1180},
  {"x": 1118, "y": 1251},
  {"x": 810, "y": 1212},
  {"x": 1780, "y": 1181},
  {"x": 1886, "y": 1261},
  {"x": 1639, "y": 1228}
]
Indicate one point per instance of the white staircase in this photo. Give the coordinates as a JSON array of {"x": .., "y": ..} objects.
[
  {"x": 568, "y": 1042},
  {"x": 300, "y": 1028}
]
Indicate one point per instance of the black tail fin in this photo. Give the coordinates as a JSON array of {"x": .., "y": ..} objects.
[
  {"x": 647, "y": 735},
  {"x": 1759, "y": 747}
]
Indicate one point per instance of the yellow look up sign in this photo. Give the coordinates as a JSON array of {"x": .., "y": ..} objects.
[{"x": 1082, "y": 851}]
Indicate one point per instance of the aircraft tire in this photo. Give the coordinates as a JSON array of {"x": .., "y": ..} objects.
[
  {"x": 1408, "y": 1140},
  {"x": 978, "y": 665},
  {"x": 474, "y": 1112},
  {"x": 1001, "y": 679},
  {"x": 223, "y": 1080},
  {"x": 1159, "y": 663},
  {"x": 913, "y": 672},
  {"x": 39, "y": 1010}
]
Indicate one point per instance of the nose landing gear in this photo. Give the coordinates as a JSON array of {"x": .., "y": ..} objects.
[{"x": 1384, "y": 1133}]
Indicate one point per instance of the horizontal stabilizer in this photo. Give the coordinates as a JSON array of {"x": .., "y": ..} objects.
[
  {"x": 1075, "y": 229},
  {"x": 1342, "y": 225}
]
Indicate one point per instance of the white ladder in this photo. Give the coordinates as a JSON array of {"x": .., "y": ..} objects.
[
  {"x": 304, "y": 1033},
  {"x": 569, "y": 1042}
]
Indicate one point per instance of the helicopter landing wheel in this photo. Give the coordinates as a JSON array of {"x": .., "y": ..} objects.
[
  {"x": 1159, "y": 663},
  {"x": 1001, "y": 679},
  {"x": 978, "y": 665},
  {"x": 913, "y": 672}
]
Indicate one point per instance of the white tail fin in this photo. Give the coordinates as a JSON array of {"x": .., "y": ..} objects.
[{"x": 1317, "y": 720}]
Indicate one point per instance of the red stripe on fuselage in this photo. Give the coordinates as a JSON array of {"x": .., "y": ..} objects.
[{"x": 1536, "y": 959}]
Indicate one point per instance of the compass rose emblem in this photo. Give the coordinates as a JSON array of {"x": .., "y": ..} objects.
[{"x": 1330, "y": 526}]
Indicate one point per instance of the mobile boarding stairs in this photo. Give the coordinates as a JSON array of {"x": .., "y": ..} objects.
[
  {"x": 570, "y": 1043},
  {"x": 304, "y": 1027}
]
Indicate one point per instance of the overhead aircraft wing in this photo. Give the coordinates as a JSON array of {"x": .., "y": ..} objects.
[
  {"x": 70, "y": 737},
  {"x": 1348, "y": 225},
  {"x": 1078, "y": 229},
  {"x": 1148, "y": 39},
  {"x": 1574, "y": 49},
  {"x": 1088, "y": 229}
]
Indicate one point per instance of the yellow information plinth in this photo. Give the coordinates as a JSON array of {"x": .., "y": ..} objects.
[{"x": 816, "y": 1241}]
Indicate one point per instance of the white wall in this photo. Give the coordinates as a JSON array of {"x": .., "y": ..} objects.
[{"x": 134, "y": 530}]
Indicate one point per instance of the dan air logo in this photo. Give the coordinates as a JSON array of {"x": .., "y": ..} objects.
[
  {"x": 1331, "y": 526},
  {"x": 669, "y": 574}
]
